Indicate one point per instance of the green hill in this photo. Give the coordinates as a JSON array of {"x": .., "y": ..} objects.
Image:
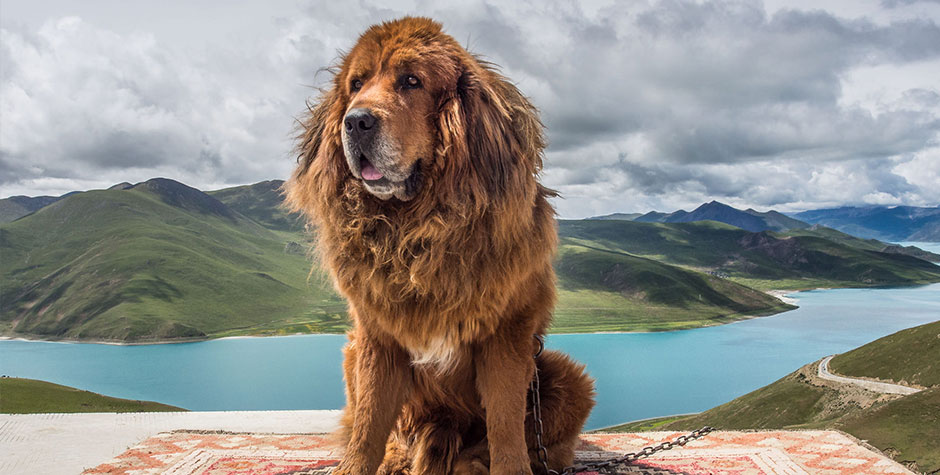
[
  {"x": 156, "y": 261},
  {"x": 909, "y": 357},
  {"x": 29, "y": 396},
  {"x": 16, "y": 207},
  {"x": 603, "y": 290},
  {"x": 905, "y": 427},
  {"x": 764, "y": 260},
  {"x": 261, "y": 202},
  {"x": 160, "y": 260},
  {"x": 865, "y": 244}
]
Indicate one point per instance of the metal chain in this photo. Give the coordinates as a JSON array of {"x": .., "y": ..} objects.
[
  {"x": 605, "y": 465},
  {"x": 541, "y": 451}
]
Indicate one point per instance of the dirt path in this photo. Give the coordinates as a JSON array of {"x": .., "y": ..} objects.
[{"x": 884, "y": 388}]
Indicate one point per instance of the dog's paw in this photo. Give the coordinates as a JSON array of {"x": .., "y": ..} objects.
[
  {"x": 470, "y": 467},
  {"x": 394, "y": 469}
]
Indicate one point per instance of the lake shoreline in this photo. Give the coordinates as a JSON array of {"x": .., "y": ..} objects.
[
  {"x": 201, "y": 340},
  {"x": 638, "y": 375},
  {"x": 784, "y": 295},
  {"x": 779, "y": 294}
]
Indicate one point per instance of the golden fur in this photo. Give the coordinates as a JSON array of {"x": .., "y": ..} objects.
[{"x": 447, "y": 285}]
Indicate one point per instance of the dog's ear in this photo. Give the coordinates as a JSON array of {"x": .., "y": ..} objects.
[
  {"x": 491, "y": 135},
  {"x": 319, "y": 159}
]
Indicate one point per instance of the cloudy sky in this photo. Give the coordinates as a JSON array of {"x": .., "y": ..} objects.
[{"x": 785, "y": 104}]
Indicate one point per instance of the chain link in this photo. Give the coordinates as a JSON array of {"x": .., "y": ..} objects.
[{"x": 602, "y": 466}]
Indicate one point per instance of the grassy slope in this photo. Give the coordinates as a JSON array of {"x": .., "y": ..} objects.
[
  {"x": 29, "y": 396},
  {"x": 157, "y": 263},
  {"x": 760, "y": 260},
  {"x": 586, "y": 301},
  {"x": 907, "y": 428},
  {"x": 131, "y": 266},
  {"x": 865, "y": 244},
  {"x": 164, "y": 262},
  {"x": 262, "y": 203},
  {"x": 909, "y": 356},
  {"x": 788, "y": 402},
  {"x": 603, "y": 290}
]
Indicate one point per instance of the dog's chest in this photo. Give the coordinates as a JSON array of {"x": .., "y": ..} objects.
[{"x": 439, "y": 354}]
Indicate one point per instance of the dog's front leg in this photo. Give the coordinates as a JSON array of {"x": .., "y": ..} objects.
[
  {"x": 383, "y": 380},
  {"x": 504, "y": 369}
]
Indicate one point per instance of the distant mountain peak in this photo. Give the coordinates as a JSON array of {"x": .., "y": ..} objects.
[
  {"x": 715, "y": 210},
  {"x": 177, "y": 194},
  {"x": 715, "y": 205},
  {"x": 618, "y": 216},
  {"x": 121, "y": 186}
]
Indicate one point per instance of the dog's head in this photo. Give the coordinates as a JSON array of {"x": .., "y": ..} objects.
[
  {"x": 392, "y": 81},
  {"x": 411, "y": 113}
]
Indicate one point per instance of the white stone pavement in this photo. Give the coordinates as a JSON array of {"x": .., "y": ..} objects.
[
  {"x": 886, "y": 388},
  {"x": 39, "y": 444}
]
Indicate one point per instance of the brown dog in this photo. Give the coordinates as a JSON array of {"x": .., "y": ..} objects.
[{"x": 419, "y": 170}]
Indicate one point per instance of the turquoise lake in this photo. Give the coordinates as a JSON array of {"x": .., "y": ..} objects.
[{"x": 638, "y": 375}]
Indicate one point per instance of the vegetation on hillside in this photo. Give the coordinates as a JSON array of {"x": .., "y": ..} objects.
[
  {"x": 163, "y": 261},
  {"x": 30, "y": 396},
  {"x": 910, "y": 357},
  {"x": 764, "y": 260},
  {"x": 262, "y": 203},
  {"x": 905, "y": 427},
  {"x": 154, "y": 262},
  {"x": 864, "y": 244},
  {"x": 603, "y": 290}
]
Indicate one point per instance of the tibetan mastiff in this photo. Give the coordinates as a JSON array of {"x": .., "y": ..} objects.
[{"x": 418, "y": 169}]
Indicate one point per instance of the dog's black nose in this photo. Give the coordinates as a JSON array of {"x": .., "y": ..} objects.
[{"x": 360, "y": 123}]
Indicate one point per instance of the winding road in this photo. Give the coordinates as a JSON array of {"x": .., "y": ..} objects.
[{"x": 878, "y": 387}]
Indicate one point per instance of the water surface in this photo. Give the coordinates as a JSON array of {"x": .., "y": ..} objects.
[{"x": 638, "y": 375}]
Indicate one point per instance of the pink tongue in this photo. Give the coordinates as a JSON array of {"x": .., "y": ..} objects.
[{"x": 369, "y": 172}]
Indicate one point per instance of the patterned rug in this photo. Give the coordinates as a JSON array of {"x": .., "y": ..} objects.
[{"x": 743, "y": 453}]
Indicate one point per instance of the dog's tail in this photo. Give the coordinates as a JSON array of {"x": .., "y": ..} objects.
[{"x": 567, "y": 397}]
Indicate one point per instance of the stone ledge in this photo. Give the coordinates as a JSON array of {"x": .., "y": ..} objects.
[{"x": 75, "y": 442}]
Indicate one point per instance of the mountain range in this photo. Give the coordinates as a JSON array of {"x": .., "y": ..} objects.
[
  {"x": 18, "y": 206},
  {"x": 749, "y": 220},
  {"x": 892, "y": 224},
  {"x": 895, "y": 224},
  {"x": 160, "y": 260}
]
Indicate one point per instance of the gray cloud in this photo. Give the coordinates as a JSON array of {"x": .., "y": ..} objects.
[
  {"x": 648, "y": 104},
  {"x": 898, "y": 3}
]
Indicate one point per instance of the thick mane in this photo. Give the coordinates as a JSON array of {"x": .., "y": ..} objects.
[{"x": 479, "y": 230}]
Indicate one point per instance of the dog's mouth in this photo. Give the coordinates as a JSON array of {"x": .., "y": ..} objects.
[
  {"x": 369, "y": 173},
  {"x": 382, "y": 186}
]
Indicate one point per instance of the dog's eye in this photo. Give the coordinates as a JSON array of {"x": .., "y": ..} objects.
[
  {"x": 410, "y": 82},
  {"x": 355, "y": 85}
]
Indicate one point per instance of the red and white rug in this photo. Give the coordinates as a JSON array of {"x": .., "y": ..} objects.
[{"x": 744, "y": 453}]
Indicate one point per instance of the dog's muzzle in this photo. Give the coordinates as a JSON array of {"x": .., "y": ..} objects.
[{"x": 373, "y": 158}]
